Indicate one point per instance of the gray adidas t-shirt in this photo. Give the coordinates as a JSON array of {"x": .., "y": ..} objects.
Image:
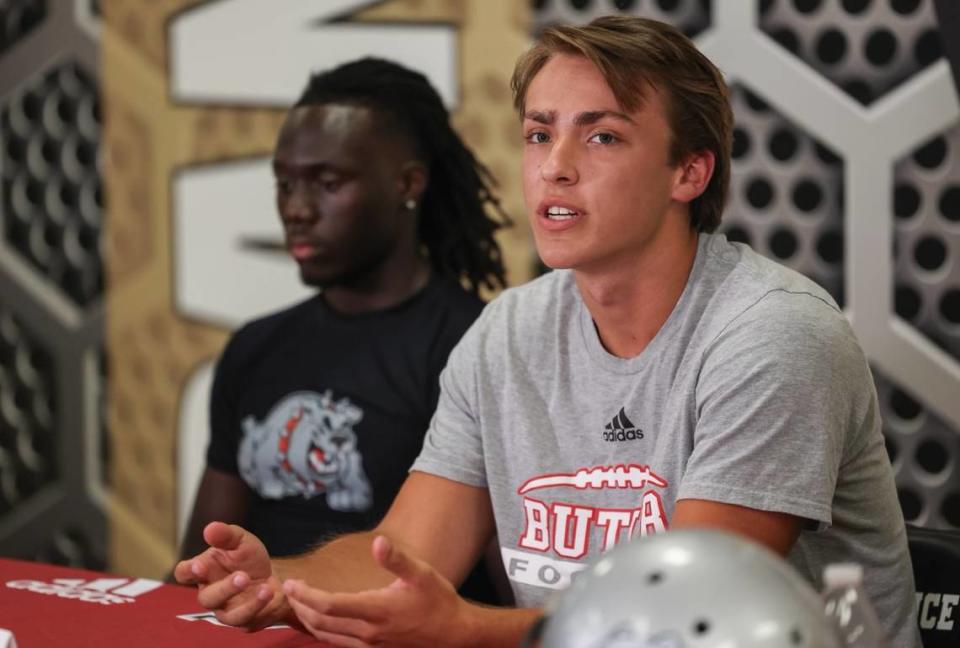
[{"x": 754, "y": 392}]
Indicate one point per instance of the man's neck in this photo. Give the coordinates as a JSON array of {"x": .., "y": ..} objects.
[
  {"x": 631, "y": 304},
  {"x": 386, "y": 286}
]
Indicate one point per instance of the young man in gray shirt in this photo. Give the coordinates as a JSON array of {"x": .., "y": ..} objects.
[{"x": 660, "y": 378}]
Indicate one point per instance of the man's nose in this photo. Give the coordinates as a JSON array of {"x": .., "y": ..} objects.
[
  {"x": 299, "y": 205},
  {"x": 560, "y": 167}
]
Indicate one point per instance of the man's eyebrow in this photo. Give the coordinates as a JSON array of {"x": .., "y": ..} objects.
[
  {"x": 542, "y": 117},
  {"x": 311, "y": 168},
  {"x": 593, "y": 116},
  {"x": 587, "y": 118}
]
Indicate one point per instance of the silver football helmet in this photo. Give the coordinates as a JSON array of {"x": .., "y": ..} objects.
[{"x": 689, "y": 588}]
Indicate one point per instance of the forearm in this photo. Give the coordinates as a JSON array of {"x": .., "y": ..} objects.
[
  {"x": 342, "y": 565},
  {"x": 221, "y": 496},
  {"x": 492, "y": 626}
]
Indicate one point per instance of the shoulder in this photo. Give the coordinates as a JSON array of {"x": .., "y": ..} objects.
[
  {"x": 752, "y": 292},
  {"x": 777, "y": 317},
  {"x": 513, "y": 322},
  {"x": 776, "y": 338},
  {"x": 743, "y": 276},
  {"x": 791, "y": 318},
  {"x": 262, "y": 332},
  {"x": 535, "y": 303},
  {"x": 432, "y": 322},
  {"x": 447, "y": 299}
]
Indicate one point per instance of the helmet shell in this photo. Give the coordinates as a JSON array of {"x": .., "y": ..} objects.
[{"x": 689, "y": 588}]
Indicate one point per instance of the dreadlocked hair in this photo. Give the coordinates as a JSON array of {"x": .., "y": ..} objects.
[{"x": 456, "y": 225}]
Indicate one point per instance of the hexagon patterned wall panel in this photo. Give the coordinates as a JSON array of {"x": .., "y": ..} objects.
[
  {"x": 51, "y": 324},
  {"x": 18, "y": 18}
]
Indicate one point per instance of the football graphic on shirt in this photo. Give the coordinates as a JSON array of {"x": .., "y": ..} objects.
[{"x": 306, "y": 446}]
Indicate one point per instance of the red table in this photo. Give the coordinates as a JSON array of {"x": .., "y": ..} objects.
[{"x": 46, "y": 606}]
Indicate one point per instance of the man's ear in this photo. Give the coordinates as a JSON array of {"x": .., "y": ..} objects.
[
  {"x": 693, "y": 176},
  {"x": 414, "y": 178}
]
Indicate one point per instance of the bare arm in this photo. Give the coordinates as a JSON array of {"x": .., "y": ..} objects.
[
  {"x": 442, "y": 522},
  {"x": 776, "y": 531},
  {"x": 441, "y": 525},
  {"x": 386, "y": 586},
  {"x": 439, "y": 617},
  {"x": 220, "y": 496},
  {"x": 418, "y": 608}
]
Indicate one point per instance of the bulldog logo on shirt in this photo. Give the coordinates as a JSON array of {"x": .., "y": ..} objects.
[{"x": 306, "y": 446}]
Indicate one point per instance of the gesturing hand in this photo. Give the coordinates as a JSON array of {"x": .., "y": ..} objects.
[
  {"x": 419, "y": 608},
  {"x": 235, "y": 578}
]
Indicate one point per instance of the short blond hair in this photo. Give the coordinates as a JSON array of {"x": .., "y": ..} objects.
[{"x": 633, "y": 54}]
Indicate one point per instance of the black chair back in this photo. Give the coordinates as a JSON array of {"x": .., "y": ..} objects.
[{"x": 936, "y": 568}]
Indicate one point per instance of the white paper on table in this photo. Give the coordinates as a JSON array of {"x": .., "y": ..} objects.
[{"x": 7, "y": 640}]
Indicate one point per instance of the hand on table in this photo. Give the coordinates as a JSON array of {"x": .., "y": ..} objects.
[
  {"x": 419, "y": 608},
  {"x": 235, "y": 578}
]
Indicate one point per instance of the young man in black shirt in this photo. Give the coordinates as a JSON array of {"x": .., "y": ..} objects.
[{"x": 318, "y": 411}]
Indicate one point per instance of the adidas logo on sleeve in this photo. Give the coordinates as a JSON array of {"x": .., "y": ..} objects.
[{"x": 621, "y": 428}]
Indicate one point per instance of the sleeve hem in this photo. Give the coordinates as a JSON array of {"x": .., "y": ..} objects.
[
  {"x": 760, "y": 500},
  {"x": 223, "y": 466},
  {"x": 452, "y": 473}
]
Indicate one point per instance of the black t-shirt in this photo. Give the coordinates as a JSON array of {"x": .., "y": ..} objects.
[{"x": 322, "y": 414}]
